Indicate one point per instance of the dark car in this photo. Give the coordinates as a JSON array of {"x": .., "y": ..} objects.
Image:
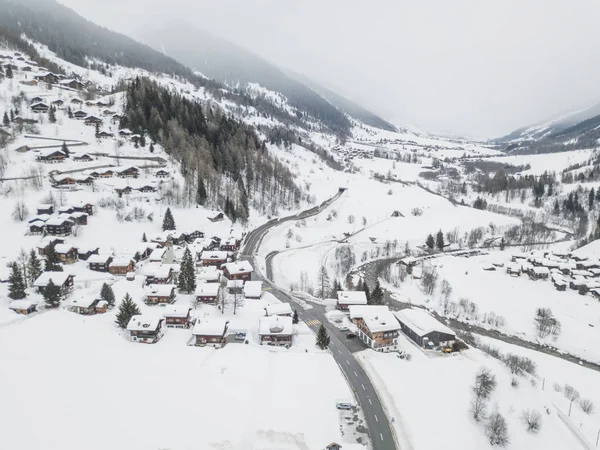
[{"x": 350, "y": 336}]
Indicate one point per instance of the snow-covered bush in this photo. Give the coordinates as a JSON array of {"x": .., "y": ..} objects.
[{"x": 532, "y": 420}]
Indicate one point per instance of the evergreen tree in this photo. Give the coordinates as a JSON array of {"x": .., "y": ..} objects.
[
  {"x": 168, "y": 221},
  {"x": 144, "y": 239},
  {"x": 52, "y": 114},
  {"x": 52, "y": 294},
  {"x": 439, "y": 240},
  {"x": 201, "y": 194},
  {"x": 591, "y": 197},
  {"x": 97, "y": 132},
  {"x": 187, "y": 275},
  {"x": 430, "y": 242},
  {"x": 142, "y": 139},
  {"x": 295, "y": 318},
  {"x": 65, "y": 149},
  {"x": 107, "y": 294},
  {"x": 127, "y": 309},
  {"x": 9, "y": 73},
  {"x": 12, "y": 118},
  {"x": 360, "y": 285},
  {"x": 365, "y": 288},
  {"x": 16, "y": 283},
  {"x": 502, "y": 244},
  {"x": 324, "y": 283},
  {"x": 34, "y": 267},
  {"x": 323, "y": 338},
  {"x": 69, "y": 112},
  {"x": 151, "y": 147},
  {"x": 336, "y": 287},
  {"x": 6, "y": 120},
  {"x": 377, "y": 295},
  {"x": 556, "y": 210},
  {"x": 52, "y": 260}
]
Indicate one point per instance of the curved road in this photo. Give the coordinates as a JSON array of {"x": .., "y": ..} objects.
[{"x": 341, "y": 348}]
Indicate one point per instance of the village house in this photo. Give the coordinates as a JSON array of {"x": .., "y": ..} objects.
[
  {"x": 559, "y": 282},
  {"x": 64, "y": 180},
  {"x": 207, "y": 292},
  {"x": 210, "y": 332},
  {"x": 209, "y": 274},
  {"x": 192, "y": 235},
  {"x": 129, "y": 172},
  {"x": 275, "y": 330},
  {"x": 157, "y": 254},
  {"x": 239, "y": 270},
  {"x": 101, "y": 307},
  {"x": 73, "y": 84},
  {"x": 108, "y": 112},
  {"x": 46, "y": 242},
  {"x": 92, "y": 120},
  {"x": 108, "y": 173},
  {"x": 23, "y": 306},
  {"x": 539, "y": 273},
  {"x": 217, "y": 218},
  {"x": 121, "y": 265},
  {"x": 147, "y": 188},
  {"x": 65, "y": 210},
  {"x": 231, "y": 244},
  {"x": 83, "y": 158},
  {"x": 157, "y": 273},
  {"x": 177, "y": 316},
  {"x": 57, "y": 226},
  {"x": 80, "y": 218},
  {"x": 124, "y": 191},
  {"x": 253, "y": 289},
  {"x": 348, "y": 298},
  {"x": 162, "y": 173},
  {"x": 80, "y": 114},
  {"x": 66, "y": 253},
  {"x": 235, "y": 287},
  {"x": 84, "y": 253},
  {"x": 85, "y": 180},
  {"x": 35, "y": 100},
  {"x": 51, "y": 156},
  {"x": 424, "y": 329},
  {"x": 77, "y": 101},
  {"x": 279, "y": 309},
  {"x": 145, "y": 329},
  {"x": 124, "y": 132},
  {"x": 83, "y": 305},
  {"x": 514, "y": 270},
  {"x": 99, "y": 263},
  {"x": 160, "y": 294},
  {"x": 39, "y": 107},
  {"x": 62, "y": 279},
  {"x": 36, "y": 226},
  {"x": 49, "y": 78},
  {"x": 377, "y": 326},
  {"x": 58, "y": 103},
  {"x": 213, "y": 258},
  {"x": 104, "y": 134},
  {"x": 116, "y": 118}
]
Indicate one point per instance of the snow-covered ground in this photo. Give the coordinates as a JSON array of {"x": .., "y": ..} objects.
[{"x": 550, "y": 162}]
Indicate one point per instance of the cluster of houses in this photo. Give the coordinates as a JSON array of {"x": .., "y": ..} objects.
[
  {"x": 60, "y": 221},
  {"x": 565, "y": 270}
]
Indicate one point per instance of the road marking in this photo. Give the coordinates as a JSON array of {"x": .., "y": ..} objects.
[
  {"x": 355, "y": 374},
  {"x": 347, "y": 362},
  {"x": 313, "y": 322},
  {"x": 370, "y": 402},
  {"x": 381, "y": 436},
  {"x": 340, "y": 352},
  {"x": 376, "y": 419},
  {"x": 363, "y": 386}
]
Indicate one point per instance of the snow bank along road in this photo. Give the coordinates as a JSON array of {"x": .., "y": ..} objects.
[{"x": 379, "y": 427}]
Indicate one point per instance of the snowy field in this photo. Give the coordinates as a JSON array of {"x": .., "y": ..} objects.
[{"x": 551, "y": 162}]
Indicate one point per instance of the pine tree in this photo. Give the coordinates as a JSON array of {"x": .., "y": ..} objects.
[
  {"x": 6, "y": 120},
  {"x": 323, "y": 338},
  {"x": 65, "y": 149},
  {"x": 151, "y": 147},
  {"x": 127, "y": 309},
  {"x": 502, "y": 244},
  {"x": 142, "y": 139},
  {"x": 430, "y": 242},
  {"x": 323, "y": 280},
  {"x": 377, "y": 295},
  {"x": 336, "y": 287},
  {"x": 295, "y": 318},
  {"x": 168, "y": 221},
  {"x": 187, "y": 275},
  {"x": 52, "y": 294},
  {"x": 439, "y": 240},
  {"x": 107, "y": 294},
  {"x": 12, "y": 118},
  {"x": 69, "y": 112},
  {"x": 556, "y": 210},
  {"x": 9, "y": 73},
  {"x": 201, "y": 194},
  {"x": 34, "y": 267},
  {"x": 52, "y": 114},
  {"x": 367, "y": 292},
  {"x": 52, "y": 260},
  {"x": 97, "y": 132},
  {"x": 16, "y": 283},
  {"x": 144, "y": 239},
  {"x": 591, "y": 197}
]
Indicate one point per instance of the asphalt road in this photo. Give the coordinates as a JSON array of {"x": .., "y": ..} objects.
[{"x": 341, "y": 348}]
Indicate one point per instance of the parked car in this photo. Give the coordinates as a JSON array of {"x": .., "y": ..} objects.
[
  {"x": 350, "y": 336},
  {"x": 344, "y": 328},
  {"x": 343, "y": 406},
  {"x": 241, "y": 336}
]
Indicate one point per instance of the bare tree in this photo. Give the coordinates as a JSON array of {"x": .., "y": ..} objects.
[
  {"x": 479, "y": 408},
  {"x": 485, "y": 383},
  {"x": 20, "y": 212},
  {"x": 351, "y": 219},
  {"x": 446, "y": 294},
  {"x": 519, "y": 364},
  {"x": 546, "y": 324},
  {"x": 586, "y": 405},
  {"x": 571, "y": 393},
  {"x": 496, "y": 429},
  {"x": 429, "y": 280},
  {"x": 238, "y": 300},
  {"x": 532, "y": 420},
  {"x": 23, "y": 261}
]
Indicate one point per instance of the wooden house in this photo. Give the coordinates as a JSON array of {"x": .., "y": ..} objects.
[
  {"x": 65, "y": 180},
  {"x": 377, "y": 326},
  {"x": 231, "y": 244},
  {"x": 124, "y": 132},
  {"x": 80, "y": 114},
  {"x": 37, "y": 227},
  {"x": 101, "y": 307},
  {"x": 84, "y": 306},
  {"x": 85, "y": 207},
  {"x": 35, "y": 100},
  {"x": 177, "y": 316},
  {"x": 160, "y": 294},
  {"x": 23, "y": 306},
  {"x": 51, "y": 156},
  {"x": 145, "y": 329},
  {"x": 158, "y": 273},
  {"x": 147, "y": 188},
  {"x": 121, "y": 265},
  {"x": 46, "y": 242},
  {"x": 235, "y": 287},
  {"x": 66, "y": 253},
  {"x": 73, "y": 84},
  {"x": 58, "y": 103},
  {"x": 92, "y": 120},
  {"x": 80, "y": 218},
  {"x": 211, "y": 332},
  {"x": 77, "y": 101},
  {"x": 99, "y": 263},
  {"x": 39, "y": 107},
  {"x": 84, "y": 253},
  {"x": 62, "y": 279},
  {"x": 207, "y": 292},
  {"x": 104, "y": 134},
  {"x": 539, "y": 273},
  {"x": 213, "y": 258},
  {"x": 59, "y": 227},
  {"x": 108, "y": 173},
  {"x": 349, "y": 298},
  {"x": 238, "y": 270},
  {"x": 162, "y": 173},
  {"x": 85, "y": 180},
  {"x": 279, "y": 309},
  {"x": 49, "y": 78},
  {"x": 275, "y": 330},
  {"x": 217, "y": 218},
  {"x": 124, "y": 191},
  {"x": 129, "y": 172},
  {"x": 83, "y": 158}
]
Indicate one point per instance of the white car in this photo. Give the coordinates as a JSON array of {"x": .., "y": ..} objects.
[
  {"x": 344, "y": 328},
  {"x": 343, "y": 405}
]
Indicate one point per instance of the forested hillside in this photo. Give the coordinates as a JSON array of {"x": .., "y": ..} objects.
[{"x": 223, "y": 161}]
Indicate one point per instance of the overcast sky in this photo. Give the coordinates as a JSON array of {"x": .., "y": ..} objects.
[{"x": 481, "y": 68}]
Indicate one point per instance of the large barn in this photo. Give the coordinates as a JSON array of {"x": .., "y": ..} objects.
[{"x": 424, "y": 329}]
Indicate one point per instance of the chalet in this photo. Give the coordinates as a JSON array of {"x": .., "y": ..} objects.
[
  {"x": 559, "y": 282},
  {"x": 129, "y": 172},
  {"x": 217, "y": 218},
  {"x": 210, "y": 332},
  {"x": 77, "y": 101},
  {"x": 65, "y": 210},
  {"x": 59, "y": 227},
  {"x": 108, "y": 112},
  {"x": 87, "y": 208},
  {"x": 92, "y": 120},
  {"x": 160, "y": 294},
  {"x": 80, "y": 218},
  {"x": 514, "y": 270},
  {"x": 65, "y": 180},
  {"x": 191, "y": 236},
  {"x": 124, "y": 132},
  {"x": 83, "y": 158},
  {"x": 36, "y": 226},
  {"x": 275, "y": 330},
  {"x": 145, "y": 329},
  {"x": 207, "y": 292},
  {"x": 66, "y": 253},
  {"x": 51, "y": 156},
  {"x": 84, "y": 253},
  {"x": 101, "y": 307},
  {"x": 116, "y": 118},
  {"x": 209, "y": 274},
  {"x": 424, "y": 329},
  {"x": 377, "y": 326},
  {"x": 213, "y": 258},
  {"x": 101, "y": 104},
  {"x": 35, "y": 100},
  {"x": 121, "y": 265},
  {"x": 162, "y": 173},
  {"x": 147, "y": 188},
  {"x": 279, "y": 309},
  {"x": 177, "y": 316},
  {"x": 99, "y": 263},
  {"x": 158, "y": 273},
  {"x": 104, "y": 134},
  {"x": 239, "y": 270},
  {"x": 62, "y": 279},
  {"x": 253, "y": 289},
  {"x": 145, "y": 250},
  {"x": 21, "y": 121},
  {"x": 22, "y": 149},
  {"x": 39, "y": 107},
  {"x": 46, "y": 242},
  {"x": 90, "y": 103},
  {"x": 84, "y": 306},
  {"x": 124, "y": 191},
  {"x": 539, "y": 273},
  {"x": 587, "y": 265},
  {"x": 108, "y": 173},
  {"x": 231, "y": 244},
  {"x": 347, "y": 298},
  {"x": 157, "y": 255},
  {"x": 58, "y": 103},
  {"x": 85, "y": 180},
  {"x": 23, "y": 306},
  {"x": 73, "y": 84},
  {"x": 235, "y": 286},
  {"x": 49, "y": 78},
  {"x": 80, "y": 115}
]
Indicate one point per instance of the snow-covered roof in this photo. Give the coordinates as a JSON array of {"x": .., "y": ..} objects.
[
  {"x": 46, "y": 241},
  {"x": 235, "y": 284},
  {"x": 210, "y": 327},
  {"x": 275, "y": 325},
  {"x": 50, "y": 151},
  {"x": 361, "y": 311},
  {"x": 121, "y": 261},
  {"x": 541, "y": 270},
  {"x": 210, "y": 254},
  {"x": 209, "y": 273},
  {"x": 82, "y": 302},
  {"x": 143, "y": 323},
  {"x": 58, "y": 278},
  {"x": 102, "y": 303},
  {"x": 421, "y": 322},
  {"x": 177, "y": 311},
  {"x": 63, "y": 248},
  {"x": 44, "y": 206},
  {"x": 238, "y": 267},
  {"x": 98, "y": 259},
  {"x": 57, "y": 221},
  {"x": 157, "y": 254},
  {"x": 22, "y": 304},
  {"x": 157, "y": 270},
  {"x": 278, "y": 309},
  {"x": 207, "y": 289},
  {"x": 42, "y": 217},
  {"x": 380, "y": 320},
  {"x": 253, "y": 289},
  {"x": 352, "y": 298},
  {"x": 160, "y": 290}
]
